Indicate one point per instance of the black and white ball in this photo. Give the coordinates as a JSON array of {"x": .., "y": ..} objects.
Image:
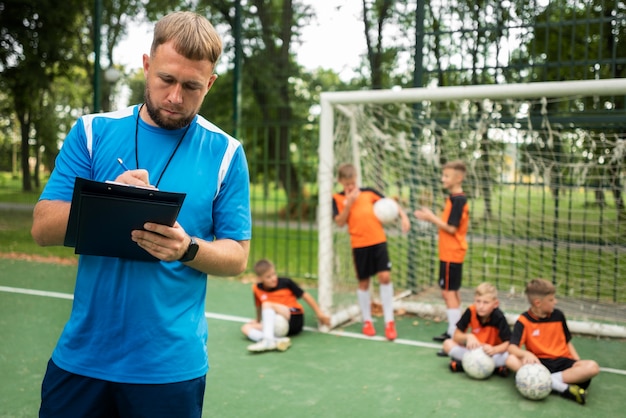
[
  {"x": 477, "y": 364},
  {"x": 281, "y": 326},
  {"x": 533, "y": 381},
  {"x": 386, "y": 210}
]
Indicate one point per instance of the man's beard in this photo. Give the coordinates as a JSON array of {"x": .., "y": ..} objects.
[{"x": 162, "y": 123}]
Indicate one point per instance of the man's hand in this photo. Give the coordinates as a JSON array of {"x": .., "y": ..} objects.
[
  {"x": 138, "y": 177},
  {"x": 164, "y": 242}
]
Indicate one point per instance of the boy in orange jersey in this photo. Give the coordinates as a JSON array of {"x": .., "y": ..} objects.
[
  {"x": 489, "y": 330},
  {"x": 354, "y": 206},
  {"x": 452, "y": 226},
  {"x": 544, "y": 333},
  {"x": 274, "y": 296}
]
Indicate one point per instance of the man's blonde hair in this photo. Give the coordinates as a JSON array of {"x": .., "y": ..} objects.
[
  {"x": 262, "y": 266},
  {"x": 193, "y": 35},
  {"x": 539, "y": 288},
  {"x": 486, "y": 289}
]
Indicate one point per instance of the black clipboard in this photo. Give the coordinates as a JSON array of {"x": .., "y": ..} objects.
[{"x": 103, "y": 214}]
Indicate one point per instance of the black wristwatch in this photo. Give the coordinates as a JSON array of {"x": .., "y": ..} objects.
[{"x": 191, "y": 252}]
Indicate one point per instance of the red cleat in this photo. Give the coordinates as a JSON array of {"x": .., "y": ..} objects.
[
  {"x": 390, "y": 331},
  {"x": 368, "y": 329}
]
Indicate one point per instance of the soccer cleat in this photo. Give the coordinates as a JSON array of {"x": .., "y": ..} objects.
[
  {"x": 390, "y": 331},
  {"x": 442, "y": 337},
  {"x": 575, "y": 393},
  {"x": 261, "y": 346},
  {"x": 456, "y": 366},
  {"x": 442, "y": 353},
  {"x": 501, "y": 371},
  {"x": 282, "y": 344},
  {"x": 368, "y": 329}
]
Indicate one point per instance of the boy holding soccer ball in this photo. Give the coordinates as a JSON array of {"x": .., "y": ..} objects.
[
  {"x": 489, "y": 331},
  {"x": 273, "y": 297},
  {"x": 452, "y": 226},
  {"x": 354, "y": 206},
  {"x": 544, "y": 333}
]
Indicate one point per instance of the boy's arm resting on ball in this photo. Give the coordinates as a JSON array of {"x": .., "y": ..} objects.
[
  {"x": 524, "y": 355},
  {"x": 496, "y": 349},
  {"x": 50, "y": 222}
]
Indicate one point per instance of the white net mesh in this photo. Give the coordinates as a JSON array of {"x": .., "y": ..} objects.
[{"x": 545, "y": 186}]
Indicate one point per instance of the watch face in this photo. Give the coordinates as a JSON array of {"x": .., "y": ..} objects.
[{"x": 191, "y": 252}]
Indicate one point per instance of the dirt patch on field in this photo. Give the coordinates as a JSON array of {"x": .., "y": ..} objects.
[{"x": 39, "y": 258}]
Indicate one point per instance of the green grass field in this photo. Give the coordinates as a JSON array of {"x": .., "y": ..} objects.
[{"x": 321, "y": 375}]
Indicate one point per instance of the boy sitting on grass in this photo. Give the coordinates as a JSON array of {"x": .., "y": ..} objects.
[
  {"x": 489, "y": 330},
  {"x": 275, "y": 296},
  {"x": 543, "y": 331}
]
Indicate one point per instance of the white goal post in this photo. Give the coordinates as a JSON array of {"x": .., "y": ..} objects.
[{"x": 333, "y": 103}]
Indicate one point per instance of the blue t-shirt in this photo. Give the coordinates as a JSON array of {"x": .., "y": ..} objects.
[{"x": 143, "y": 322}]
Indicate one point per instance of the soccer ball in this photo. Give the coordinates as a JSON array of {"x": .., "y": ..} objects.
[
  {"x": 386, "y": 210},
  {"x": 477, "y": 364},
  {"x": 281, "y": 326},
  {"x": 533, "y": 381}
]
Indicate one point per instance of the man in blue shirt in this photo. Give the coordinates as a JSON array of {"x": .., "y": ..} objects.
[{"x": 135, "y": 343}]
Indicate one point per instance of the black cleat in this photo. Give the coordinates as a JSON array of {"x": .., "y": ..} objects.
[
  {"x": 456, "y": 366},
  {"x": 501, "y": 371},
  {"x": 576, "y": 394},
  {"x": 441, "y": 337},
  {"x": 442, "y": 353}
]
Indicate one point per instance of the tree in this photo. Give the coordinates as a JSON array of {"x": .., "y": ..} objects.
[{"x": 39, "y": 45}]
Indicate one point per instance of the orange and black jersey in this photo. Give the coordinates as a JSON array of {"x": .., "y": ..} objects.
[
  {"x": 363, "y": 226},
  {"x": 452, "y": 247},
  {"x": 546, "y": 338},
  {"x": 492, "y": 330},
  {"x": 286, "y": 292}
]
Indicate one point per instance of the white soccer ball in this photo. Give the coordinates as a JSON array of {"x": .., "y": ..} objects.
[
  {"x": 386, "y": 210},
  {"x": 533, "y": 381},
  {"x": 477, "y": 364},
  {"x": 281, "y": 326}
]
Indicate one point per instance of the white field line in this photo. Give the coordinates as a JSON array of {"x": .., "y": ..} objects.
[{"x": 233, "y": 318}]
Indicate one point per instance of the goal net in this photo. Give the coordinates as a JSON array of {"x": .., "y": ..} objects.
[{"x": 546, "y": 165}]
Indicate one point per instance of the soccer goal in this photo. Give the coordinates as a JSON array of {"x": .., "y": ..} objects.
[{"x": 546, "y": 165}]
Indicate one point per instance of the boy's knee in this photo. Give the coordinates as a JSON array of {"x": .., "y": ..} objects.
[
  {"x": 513, "y": 362},
  {"x": 594, "y": 367},
  {"x": 448, "y": 345}
]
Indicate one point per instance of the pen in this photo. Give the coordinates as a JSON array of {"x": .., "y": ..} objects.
[{"x": 119, "y": 160}]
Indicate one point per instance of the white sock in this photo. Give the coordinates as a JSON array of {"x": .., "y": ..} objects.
[
  {"x": 255, "y": 335},
  {"x": 268, "y": 317},
  {"x": 557, "y": 382},
  {"x": 365, "y": 304},
  {"x": 500, "y": 359},
  {"x": 457, "y": 352},
  {"x": 453, "y": 317},
  {"x": 386, "y": 298}
]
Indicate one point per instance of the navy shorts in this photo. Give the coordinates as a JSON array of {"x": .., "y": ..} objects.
[
  {"x": 450, "y": 275},
  {"x": 296, "y": 323},
  {"x": 369, "y": 261},
  {"x": 65, "y": 394},
  {"x": 562, "y": 363},
  {"x": 557, "y": 364}
]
